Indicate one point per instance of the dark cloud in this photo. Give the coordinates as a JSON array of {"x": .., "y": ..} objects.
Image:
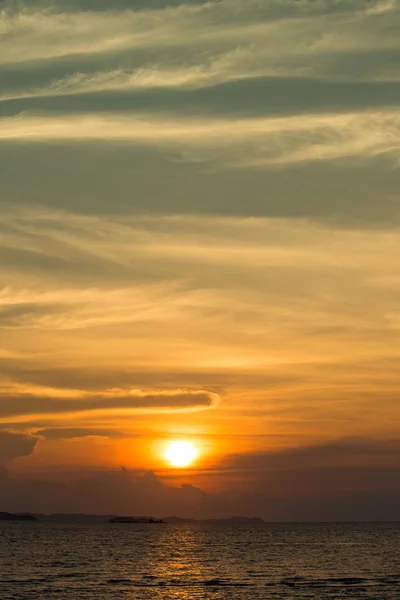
[
  {"x": 126, "y": 492},
  {"x": 98, "y": 5},
  {"x": 65, "y": 433},
  {"x": 214, "y": 379},
  {"x": 13, "y": 445},
  {"x": 274, "y": 8},
  {"x": 258, "y": 97},
  {"x": 361, "y": 465},
  {"x": 20, "y": 315},
  {"x": 31, "y": 404},
  {"x": 312, "y": 191},
  {"x": 331, "y": 453}
]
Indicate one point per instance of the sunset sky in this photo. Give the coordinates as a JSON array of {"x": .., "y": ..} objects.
[{"x": 199, "y": 241}]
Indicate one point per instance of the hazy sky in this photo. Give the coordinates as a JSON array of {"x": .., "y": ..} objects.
[{"x": 199, "y": 240}]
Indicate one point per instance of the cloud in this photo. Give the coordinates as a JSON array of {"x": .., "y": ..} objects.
[
  {"x": 49, "y": 34},
  {"x": 70, "y": 433},
  {"x": 301, "y": 484},
  {"x": 334, "y": 455},
  {"x": 334, "y": 477},
  {"x": 241, "y": 142},
  {"x": 53, "y": 402},
  {"x": 252, "y": 97},
  {"x": 247, "y": 45},
  {"x": 337, "y": 193},
  {"x": 59, "y": 51},
  {"x": 269, "y": 313},
  {"x": 194, "y": 91},
  {"x": 13, "y": 445}
]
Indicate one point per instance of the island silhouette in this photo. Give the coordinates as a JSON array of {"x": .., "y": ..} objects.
[
  {"x": 87, "y": 518},
  {"x": 5, "y": 516}
]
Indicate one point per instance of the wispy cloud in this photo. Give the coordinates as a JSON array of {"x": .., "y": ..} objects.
[
  {"x": 195, "y": 45},
  {"x": 224, "y": 42},
  {"x": 246, "y": 142},
  {"x": 288, "y": 304},
  {"x": 42, "y": 35}
]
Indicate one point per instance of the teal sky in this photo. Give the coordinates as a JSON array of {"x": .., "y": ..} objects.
[{"x": 199, "y": 239}]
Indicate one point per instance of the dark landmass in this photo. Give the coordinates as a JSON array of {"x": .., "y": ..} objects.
[
  {"x": 135, "y": 520},
  {"x": 73, "y": 518},
  {"x": 83, "y": 518},
  {"x": 177, "y": 520},
  {"x": 5, "y": 516}
]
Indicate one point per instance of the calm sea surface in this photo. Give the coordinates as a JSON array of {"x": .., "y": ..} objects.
[{"x": 103, "y": 562}]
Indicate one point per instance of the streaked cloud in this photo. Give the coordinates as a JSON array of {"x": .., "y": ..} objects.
[
  {"x": 66, "y": 433},
  {"x": 280, "y": 303},
  {"x": 30, "y": 401},
  {"x": 245, "y": 142},
  {"x": 55, "y": 33}
]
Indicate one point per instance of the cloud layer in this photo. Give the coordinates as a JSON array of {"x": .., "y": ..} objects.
[
  {"x": 273, "y": 307},
  {"x": 250, "y": 142},
  {"x": 207, "y": 45},
  {"x": 325, "y": 493}
]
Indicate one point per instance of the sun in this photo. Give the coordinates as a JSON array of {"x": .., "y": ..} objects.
[{"x": 180, "y": 454}]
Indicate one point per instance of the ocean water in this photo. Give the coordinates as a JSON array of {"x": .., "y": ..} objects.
[{"x": 180, "y": 562}]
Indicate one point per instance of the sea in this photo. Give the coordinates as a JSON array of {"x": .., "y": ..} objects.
[{"x": 64, "y": 561}]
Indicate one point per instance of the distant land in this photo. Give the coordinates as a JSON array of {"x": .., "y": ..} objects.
[
  {"x": 5, "y": 516},
  {"x": 177, "y": 520},
  {"x": 135, "y": 520},
  {"x": 83, "y": 518}
]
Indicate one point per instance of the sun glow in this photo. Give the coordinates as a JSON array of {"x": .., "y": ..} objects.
[{"x": 180, "y": 454}]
